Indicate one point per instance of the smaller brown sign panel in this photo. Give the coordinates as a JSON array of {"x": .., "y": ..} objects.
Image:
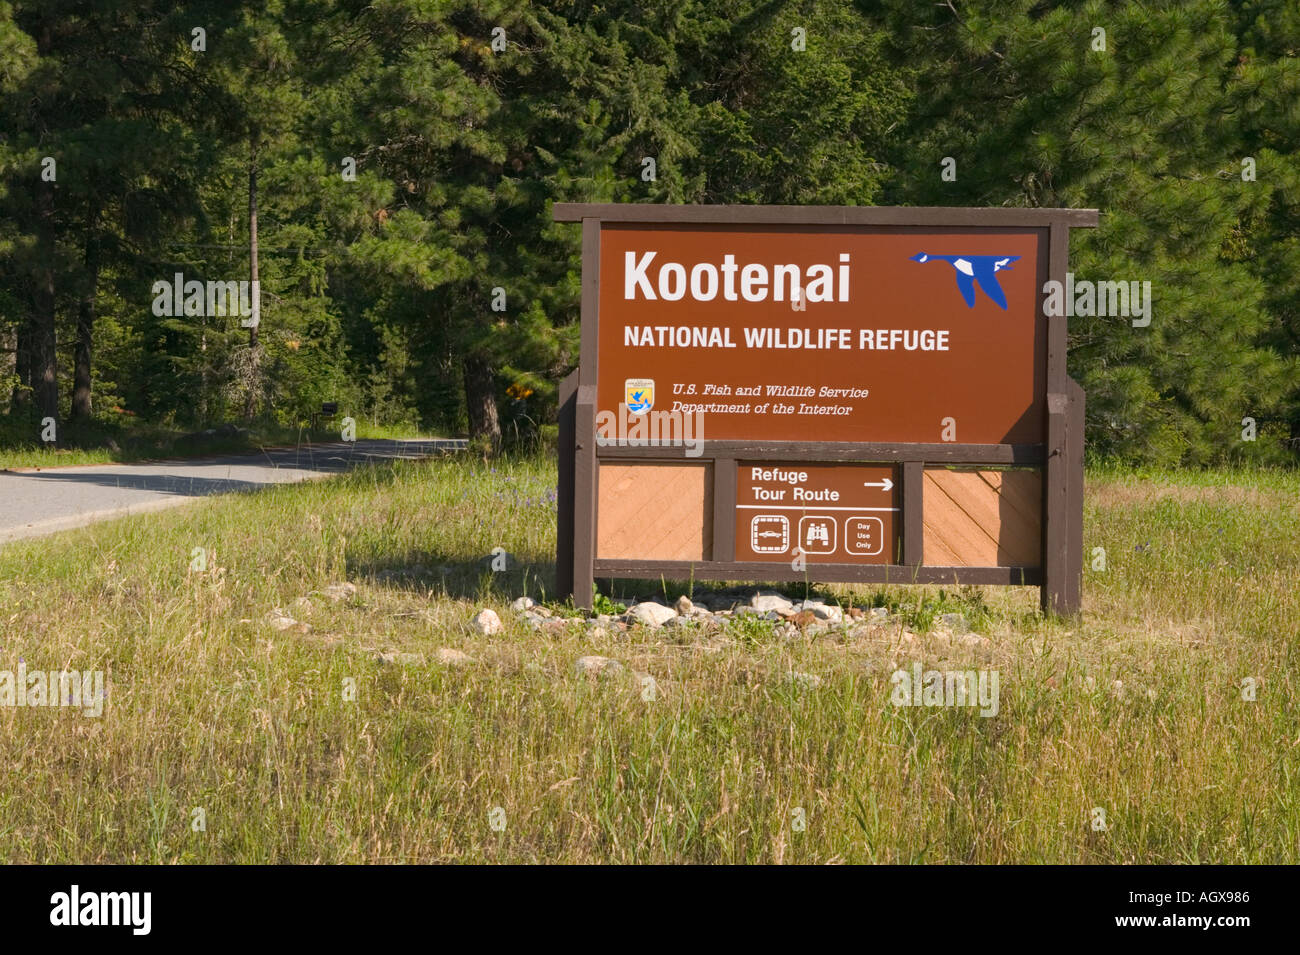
[{"x": 829, "y": 513}]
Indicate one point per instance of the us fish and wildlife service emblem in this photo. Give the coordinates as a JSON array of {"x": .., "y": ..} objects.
[{"x": 639, "y": 394}]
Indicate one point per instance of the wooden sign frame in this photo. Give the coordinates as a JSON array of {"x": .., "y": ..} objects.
[{"x": 1058, "y": 457}]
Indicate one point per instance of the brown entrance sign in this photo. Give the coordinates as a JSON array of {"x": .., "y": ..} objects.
[{"x": 840, "y": 394}]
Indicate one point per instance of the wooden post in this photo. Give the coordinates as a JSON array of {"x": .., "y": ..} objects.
[
  {"x": 564, "y": 487},
  {"x": 584, "y": 497},
  {"x": 1063, "y": 447},
  {"x": 913, "y": 477},
  {"x": 1056, "y": 509},
  {"x": 584, "y": 447},
  {"x": 724, "y": 509},
  {"x": 1074, "y": 425}
]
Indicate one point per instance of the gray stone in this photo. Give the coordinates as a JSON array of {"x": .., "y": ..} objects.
[
  {"x": 279, "y": 620},
  {"x": 683, "y": 604},
  {"x": 520, "y": 604},
  {"x": 487, "y": 622},
  {"x": 824, "y": 611},
  {"x": 453, "y": 657},
  {"x": 804, "y": 681},
  {"x": 597, "y": 666},
  {"x": 392, "y": 656},
  {"x": 954, "y": 622},
  {"x": 765, "y": 602},
  {"x": 651, "y": 614},
  {"x": 878, "y": 614},
  {"x": 345, "y": 590}
]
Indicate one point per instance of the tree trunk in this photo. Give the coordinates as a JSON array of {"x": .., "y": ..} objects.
[
  {"x": 254, "y": 356},
  {"x": 22, "y": 394},
  {"x": 481, "y": 402},
  {"x": 81, "y": 397},
  {"x": 45, "y": 368}
]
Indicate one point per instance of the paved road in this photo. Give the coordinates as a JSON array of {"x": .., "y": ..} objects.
[{"x": 34, "y": 502}]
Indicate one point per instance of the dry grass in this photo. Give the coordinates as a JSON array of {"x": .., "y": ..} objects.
[{"x": 210, "y": 707}]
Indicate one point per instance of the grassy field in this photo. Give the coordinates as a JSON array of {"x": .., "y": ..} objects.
[{"x": 1137, "y": 709}]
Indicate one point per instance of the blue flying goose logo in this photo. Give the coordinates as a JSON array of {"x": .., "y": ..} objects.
[{"x": 975, "y": 268}]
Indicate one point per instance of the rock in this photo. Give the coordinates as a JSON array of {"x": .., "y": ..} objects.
[
  {"x": 824, "y": 611},
  {"x": 453, "y": 657},
  {"x": 341, "y": 591},
  {"x": 878, "y": 614},
  {"x": 533, "y": 620},
  {"x": 555, "y": 627},
  {"x": 762, "y": 603},
  {"x": 301, "y": 605},
  {"x": 487, "y": 622},
  {"x": 855, "y": 613},
  {"x": 521, "y": 604},
  {"x": 279, "y": 620},
  {"x": 683, "y": 605},
  {"x": 954, "y": 622},
  {"x": 651, "y": 614},
  {"x": 803, "y": 618},
  {"x": 597, "y": 666},
  {"x": 598, "y": 633},
  {"x": 972, "y": 640},
  {"x": 392, "y": 656},
  {"x": 804, "y": 681}
]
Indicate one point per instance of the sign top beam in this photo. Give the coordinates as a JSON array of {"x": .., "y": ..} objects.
[{"x": 941, "y": 216}]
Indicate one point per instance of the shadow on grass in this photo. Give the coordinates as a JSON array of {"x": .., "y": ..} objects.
[{"x": 421, "y": 572}]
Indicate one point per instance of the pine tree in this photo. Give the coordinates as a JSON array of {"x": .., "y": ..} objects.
[{"x": 1040, "y": 108}]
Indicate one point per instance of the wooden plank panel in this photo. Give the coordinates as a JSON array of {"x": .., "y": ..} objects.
[
  {"x": 952, "y": 536},
  {"x": 982, "y": 518},
  {"x": 655, "y": 512}
]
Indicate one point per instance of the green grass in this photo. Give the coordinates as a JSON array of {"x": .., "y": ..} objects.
[{"x": 209, "y": 707}]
